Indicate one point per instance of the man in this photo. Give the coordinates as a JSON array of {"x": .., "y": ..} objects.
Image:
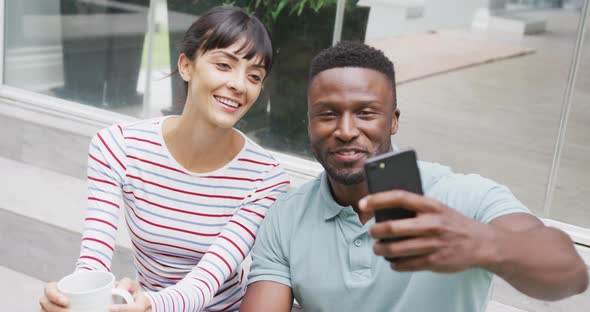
[{"x": 316, "y": 243}]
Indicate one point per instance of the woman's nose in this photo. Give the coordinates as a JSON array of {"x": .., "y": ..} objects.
[{"x": 237, "y": 82}]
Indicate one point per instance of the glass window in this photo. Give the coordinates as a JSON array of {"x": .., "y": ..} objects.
[
  {"x": 572, "y": 189},
  {"x": 279, "y": 119},
  {"x": 528, "y": 4},
  {"x": 480, "y": 84},
  {"x": 83, "y": 51},
  {"x": 100, "y": 53}
]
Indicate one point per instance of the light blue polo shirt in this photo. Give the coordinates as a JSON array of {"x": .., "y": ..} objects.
[{"x": 322, "y": 251}]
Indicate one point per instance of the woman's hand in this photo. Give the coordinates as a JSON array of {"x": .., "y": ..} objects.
[
  {"x": 53, "y": 300},
  {"x": 141, "y": 304}
]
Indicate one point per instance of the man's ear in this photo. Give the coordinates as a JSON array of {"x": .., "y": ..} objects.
[
  {"x": 308, "y": 123},
  {"x": 395, "y": 121},
  {"x": 185, "y": 67}
]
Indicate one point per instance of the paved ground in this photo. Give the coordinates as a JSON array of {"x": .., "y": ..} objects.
[
  {"x": 501, "y": 119},
  {"x": 19, "y": 292}
]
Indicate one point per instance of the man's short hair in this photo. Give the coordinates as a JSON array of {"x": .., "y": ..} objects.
[{"x": 352, "y": 54}]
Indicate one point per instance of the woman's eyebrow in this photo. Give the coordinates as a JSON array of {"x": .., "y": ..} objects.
[
  {"x": 237, "y": 59},
  {"x": 229, "y": 55},
  {"x": 260, "y": 66}
]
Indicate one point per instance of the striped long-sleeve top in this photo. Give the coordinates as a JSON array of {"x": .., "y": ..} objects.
[{"x": 190, "y": 232}]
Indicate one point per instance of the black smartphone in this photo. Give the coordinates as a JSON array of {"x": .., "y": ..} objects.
[{"x": 389, "y": 171}]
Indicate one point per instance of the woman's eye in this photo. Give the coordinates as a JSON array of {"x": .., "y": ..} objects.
[
  {"x": 256, "y": 78},
  {"x": 223, "y": 65}
]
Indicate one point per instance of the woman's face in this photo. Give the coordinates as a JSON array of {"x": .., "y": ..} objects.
[{"x": 222, "y": 85}]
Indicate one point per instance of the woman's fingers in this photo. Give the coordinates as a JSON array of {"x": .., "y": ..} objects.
[
  {"x": 52, "y": 300},
  {"x": 129, "y": 285},
  {"x": 54, "y": 296}
]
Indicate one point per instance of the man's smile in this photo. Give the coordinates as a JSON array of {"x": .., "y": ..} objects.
[{"x": 349, "y": 154}]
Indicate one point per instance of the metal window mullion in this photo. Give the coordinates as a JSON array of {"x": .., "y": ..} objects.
[
  {"x": 338, "y": 22},
  {"x": 565, "y": 110},
  {"x": 150, "y": 47},
  {"x": 2, "y": 46}
]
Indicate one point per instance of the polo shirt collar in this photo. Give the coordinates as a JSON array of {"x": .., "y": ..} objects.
[{"x": 332, "y": 208}]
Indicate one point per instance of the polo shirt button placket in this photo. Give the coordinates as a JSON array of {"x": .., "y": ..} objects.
[{"x": 357, "y": 243}]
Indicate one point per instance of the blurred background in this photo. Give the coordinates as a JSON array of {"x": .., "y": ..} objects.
[{"x": 495, "y": 87}]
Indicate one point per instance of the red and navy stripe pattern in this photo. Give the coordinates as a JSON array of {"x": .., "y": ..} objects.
[{"x": 190, "y": 232}]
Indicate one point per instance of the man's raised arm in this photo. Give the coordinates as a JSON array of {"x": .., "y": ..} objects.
[{"x": 539, "y": 261}]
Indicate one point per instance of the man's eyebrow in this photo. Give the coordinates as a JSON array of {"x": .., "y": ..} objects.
[{"x": 322, "y": 104}]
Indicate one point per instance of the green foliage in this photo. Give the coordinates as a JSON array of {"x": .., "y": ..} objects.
[{"x": 269, "y": 10}]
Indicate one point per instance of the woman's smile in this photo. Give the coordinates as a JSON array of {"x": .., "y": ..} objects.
[{"x": 229, "y": 105}]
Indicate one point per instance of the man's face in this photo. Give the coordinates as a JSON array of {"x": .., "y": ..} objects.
[{"x": 351, "y": 118}]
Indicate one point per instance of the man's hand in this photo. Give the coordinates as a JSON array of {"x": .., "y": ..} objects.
[
  {"x": 440, "y": 239},
  {"x": 53, "y": 300},
  {"x": 141, "y": 304}
]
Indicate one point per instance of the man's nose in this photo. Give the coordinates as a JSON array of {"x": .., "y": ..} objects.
[{"x": 347, "y": 129}]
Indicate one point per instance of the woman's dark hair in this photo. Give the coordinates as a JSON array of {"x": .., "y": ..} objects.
[{"x": 220, "y": 27}]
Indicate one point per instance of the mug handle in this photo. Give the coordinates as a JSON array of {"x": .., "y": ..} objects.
[{"x": 123, "y": 294}]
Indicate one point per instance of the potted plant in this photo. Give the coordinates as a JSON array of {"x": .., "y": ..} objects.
[{"x": 299, "y": 29}]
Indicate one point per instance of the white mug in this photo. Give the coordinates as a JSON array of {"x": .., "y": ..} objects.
[{"x": 91, "y": 291}]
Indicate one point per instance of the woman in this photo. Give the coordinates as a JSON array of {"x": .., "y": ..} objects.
[{"x": 194, "y": 190}]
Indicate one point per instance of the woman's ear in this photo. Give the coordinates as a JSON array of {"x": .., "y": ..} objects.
[{"x": 185, "y": 67}]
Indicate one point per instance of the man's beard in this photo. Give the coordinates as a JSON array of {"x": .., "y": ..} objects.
[
  {"x": 347, "y": 176},
  {"x": 351, "y": 175}
]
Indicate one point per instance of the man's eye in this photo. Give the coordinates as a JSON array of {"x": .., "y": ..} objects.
[
  {"x": 327, "y": 114},
  {"x": 365, "y": 113}
]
